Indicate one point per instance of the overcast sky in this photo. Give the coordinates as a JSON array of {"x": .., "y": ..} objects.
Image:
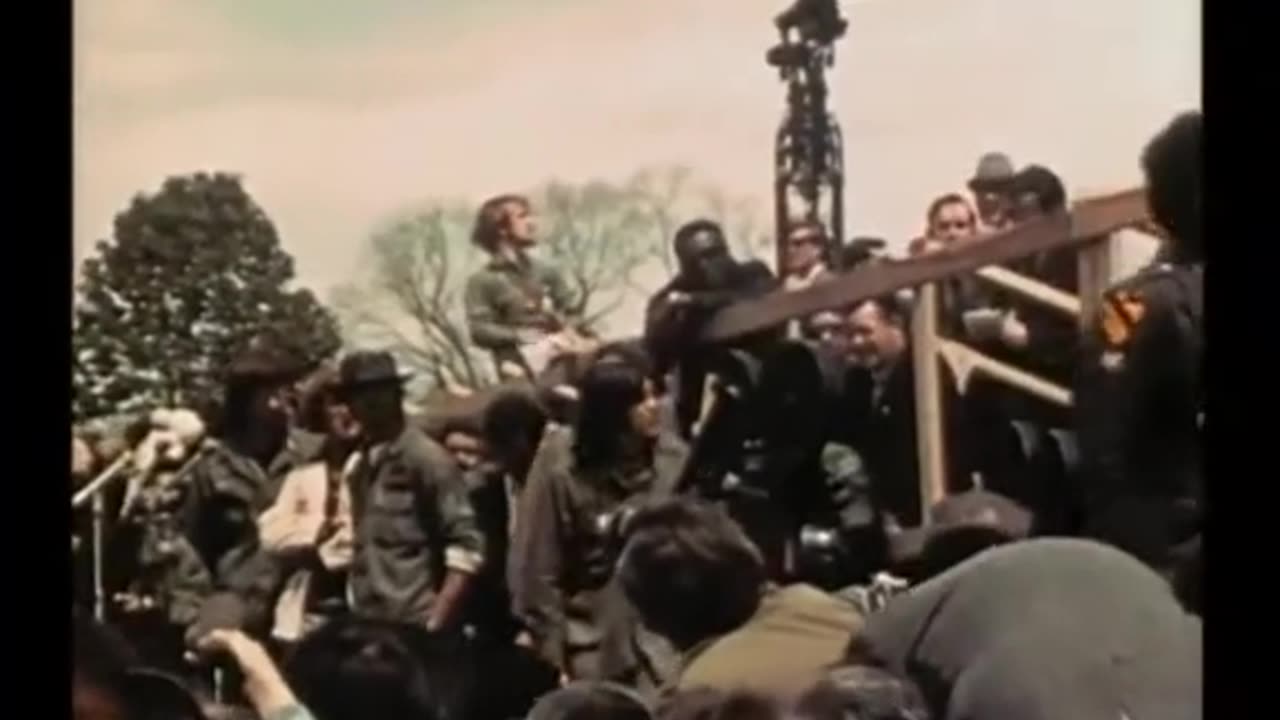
[{"x": 337, "y": 112}]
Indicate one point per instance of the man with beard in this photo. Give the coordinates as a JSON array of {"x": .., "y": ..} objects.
[
  {"x": 417, "y": 545},
  {"x": 708, "y": 279},
  {"x": 239, "y": 476}
]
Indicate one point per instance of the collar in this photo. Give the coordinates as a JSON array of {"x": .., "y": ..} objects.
[
  {"x": 379, "y": 451},
  {"x": 517, "y": 261}
]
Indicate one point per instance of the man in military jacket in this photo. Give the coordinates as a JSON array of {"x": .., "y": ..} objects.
[
  {"x": 1139, "y": 396},
  {"x": 572, "y": 524},
  {"x": 517, "y": 307},
  {"x": 238, "y": 476},
  {"x": 417, "y": 544}
]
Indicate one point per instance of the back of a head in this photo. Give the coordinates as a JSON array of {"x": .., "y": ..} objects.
[
  {"x": 1172, "y": 165},
  {"x": 512, "y": 415},
  {"x": 861, "y": 692},
  {"x": 711, "y": 704},
  {"x": 354, "y": 669},
  {"x": 100, "y": 659},
  {"x": 690, "y": 571},
  {"x": 1045, "y": 185},
  {"x": 591, "y": 701}
]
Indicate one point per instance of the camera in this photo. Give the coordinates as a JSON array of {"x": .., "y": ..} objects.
[{"x": 616, "y": 523}]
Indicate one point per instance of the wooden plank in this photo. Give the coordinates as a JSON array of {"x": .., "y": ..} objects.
[
  {"x": 1047, "y": 295},
  {"x": 930, "y": 440},
  {"x": 1088, "y": 219},
  {"x": 965, "y": 361}
]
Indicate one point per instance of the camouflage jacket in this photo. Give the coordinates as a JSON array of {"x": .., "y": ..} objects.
[
  {"x": 504, "y": 297},
  {"x": 413, "y": 519},
  {"x": 224, "y": 495}
]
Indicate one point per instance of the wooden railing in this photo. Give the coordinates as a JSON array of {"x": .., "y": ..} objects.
[{"x": 1088, "y": 228}]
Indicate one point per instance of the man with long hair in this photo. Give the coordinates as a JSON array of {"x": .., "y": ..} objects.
[{"x": 518, "y": 308}]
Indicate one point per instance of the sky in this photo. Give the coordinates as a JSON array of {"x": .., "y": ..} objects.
[{"x": 339, "y": 112}]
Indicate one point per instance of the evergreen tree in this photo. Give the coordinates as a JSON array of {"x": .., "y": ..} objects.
[{"x": 192, "y": 275}]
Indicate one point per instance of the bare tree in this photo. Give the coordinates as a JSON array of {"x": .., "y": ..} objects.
[
  {"x": 598, "y": 235},
  {"x": 410, "y": 301},
  {"x": 660, "y": 193},
  {"x": 742, "y": 227}
]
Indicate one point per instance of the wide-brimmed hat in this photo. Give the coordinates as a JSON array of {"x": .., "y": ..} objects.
[
  {"x": 363, "y": 369},
  {"x": 963, "y": 522},
  {"x": 994, "y": 170}
]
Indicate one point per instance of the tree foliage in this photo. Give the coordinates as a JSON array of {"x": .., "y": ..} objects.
[
  {"x": 611, "y": 242},
  {"x": 192, "y": 274}
]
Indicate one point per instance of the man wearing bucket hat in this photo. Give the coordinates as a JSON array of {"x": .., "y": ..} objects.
[{"x": 417, "y": 542}]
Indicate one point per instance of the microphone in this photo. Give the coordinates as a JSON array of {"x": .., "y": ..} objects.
[{"x": 175, "y": 435}]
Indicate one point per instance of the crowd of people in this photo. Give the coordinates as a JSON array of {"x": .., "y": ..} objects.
[{"x": 662, "y": 528}]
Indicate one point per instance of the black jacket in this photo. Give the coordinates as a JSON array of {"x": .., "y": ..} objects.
[
  {"x": 1140, "y": 412},
  {"x": 671, "y": 331},
  {"x": 882, "y": 428}
]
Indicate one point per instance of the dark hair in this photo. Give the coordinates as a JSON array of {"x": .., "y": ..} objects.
[
  {"x": 690, "y": 570},
  {"x": 1038, "y": 180},
  {"x": 350, "y": 669},
  {"x": 465, "y": 423},
  {"x": 590, "y": 701},
  {"x": 861, "y": 692},
  {"x": 891, "y": 307},
  {"x": 513, "y": 416},
  {"x": 628, "y": 352},
  {"x": 687, "y": 232},
  {"x": 608, "y": 392},
  {"x": 936, "y": 206},
  {"x": 706, "y": 703},
  {"x": 492, "y": 220},
  {"x": 1171, "y": 163},
  {"x": 860, "y": 250}
]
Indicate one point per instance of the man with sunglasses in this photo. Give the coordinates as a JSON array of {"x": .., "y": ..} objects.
[{"x": 805, "y": 253}]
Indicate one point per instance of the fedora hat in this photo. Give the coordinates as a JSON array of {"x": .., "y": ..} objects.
[
  {"x": 994, "y": 170},
  {"x": 363, "y": 368}
]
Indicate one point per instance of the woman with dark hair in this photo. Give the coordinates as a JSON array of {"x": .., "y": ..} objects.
[{"x": 580, "y": 493}]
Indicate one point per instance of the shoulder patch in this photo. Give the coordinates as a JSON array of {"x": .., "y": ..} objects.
[{"x": 1121, "y": 313}]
